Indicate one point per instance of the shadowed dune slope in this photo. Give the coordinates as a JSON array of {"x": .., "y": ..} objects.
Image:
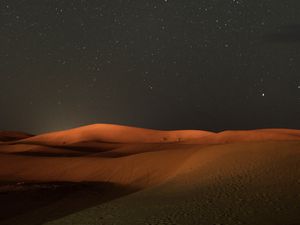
[{"x": 13, "y": 136}]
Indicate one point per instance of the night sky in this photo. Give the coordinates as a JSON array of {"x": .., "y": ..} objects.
[{"x": 167, "y": 64}]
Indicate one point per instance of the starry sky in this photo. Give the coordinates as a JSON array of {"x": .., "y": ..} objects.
[{"x": 163, "y": 64}]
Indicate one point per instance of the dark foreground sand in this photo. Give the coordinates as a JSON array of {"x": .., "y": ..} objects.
[{"x": 108, "y": 174}]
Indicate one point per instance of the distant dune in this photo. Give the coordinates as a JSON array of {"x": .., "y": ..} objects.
[
  {"x": 13, "y": 135},
  {"x": 111, "y": 174}
]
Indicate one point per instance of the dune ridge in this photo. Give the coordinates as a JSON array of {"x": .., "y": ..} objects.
[
  {"x": 118, "y": 154},
  {"x": 110, "y": 133}
]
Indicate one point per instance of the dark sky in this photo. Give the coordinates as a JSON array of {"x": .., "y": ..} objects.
[{"x": 164, "y": 64}]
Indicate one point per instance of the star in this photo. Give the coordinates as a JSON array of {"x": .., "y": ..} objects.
[{"x": 76, "y": 52}]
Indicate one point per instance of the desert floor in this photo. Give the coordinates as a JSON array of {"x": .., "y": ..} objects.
[{"x": 110, "y": 174}]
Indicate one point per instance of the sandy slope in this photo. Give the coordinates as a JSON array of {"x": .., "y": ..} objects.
[
  {"x": 177, "y": 177},
  {"x": 13, "y": 136},
  {"x": 230, "y": 185}
]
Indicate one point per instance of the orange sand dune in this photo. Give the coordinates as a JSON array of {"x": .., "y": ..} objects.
[
  {"x": 114, "y": 133},
  {"x": 108, "y": 133},
  {"x": 173, "y": 162},
  {"x": 117, "y": 154}
]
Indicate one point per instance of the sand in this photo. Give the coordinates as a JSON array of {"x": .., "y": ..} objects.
[
  {"x": 13, "y": 135},
  {"x": 110, "y": 174}
]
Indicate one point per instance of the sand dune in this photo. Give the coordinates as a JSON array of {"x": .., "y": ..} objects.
[
  {"x": 180, "y": 171},
  {"x": 108, "y": 133},
  {"x": 13, "y": 136}
]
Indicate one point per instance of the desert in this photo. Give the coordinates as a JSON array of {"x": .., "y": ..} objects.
[{"x": 113, "y": 174}]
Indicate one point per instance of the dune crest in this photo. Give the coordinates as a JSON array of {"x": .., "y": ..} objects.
[
  {"x": 118, "y": 154},
  {"x": 109, "y": 133},
  {"x": 114, "y": 134}
]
